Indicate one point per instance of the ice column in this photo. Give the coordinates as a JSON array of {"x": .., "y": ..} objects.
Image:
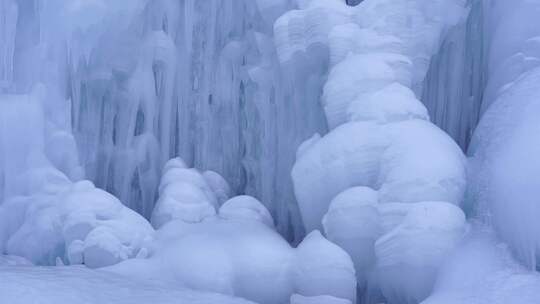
[{"x": 403, "y": 219}]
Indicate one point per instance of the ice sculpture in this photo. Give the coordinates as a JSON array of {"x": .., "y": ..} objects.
[
  {"x": 380, "y": 139},
  {"x": 504, "y": 189}
]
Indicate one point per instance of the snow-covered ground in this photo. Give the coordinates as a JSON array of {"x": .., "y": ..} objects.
[{"x": 78, "y": 284}]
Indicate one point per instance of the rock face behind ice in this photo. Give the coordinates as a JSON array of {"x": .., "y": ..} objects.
[{"x": 383, "y": 171}]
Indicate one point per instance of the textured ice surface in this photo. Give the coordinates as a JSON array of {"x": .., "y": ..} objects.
[
  {"x": 504, "y": 189},
  {"x": 454, "y": 85},
  {"x": 143, "y": 81},
  {"x": 196, "y": 79}
]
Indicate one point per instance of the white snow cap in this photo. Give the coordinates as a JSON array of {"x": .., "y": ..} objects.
[
  {"x": 245, "y": 207},
  {"x": 186, "y": 194},
  {"x": 323, "y": 268}
]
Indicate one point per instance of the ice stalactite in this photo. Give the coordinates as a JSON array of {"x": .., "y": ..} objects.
[
  {"x": 200, "y": 80},
  {"x": 454, "y": 85},
  {"x": 8, "y": 27},
  {"x": 412, "y": 175}
]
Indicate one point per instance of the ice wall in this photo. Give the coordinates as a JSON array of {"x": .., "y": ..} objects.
[
  {"x": 8, "y": 21},
  {"x": 504, "y": 162},
  {"x": 454, "y": 85},
  {"x": 198, "y": 79}
]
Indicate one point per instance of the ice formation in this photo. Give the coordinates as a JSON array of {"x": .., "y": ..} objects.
[
  {"x": 280, "y": 151},
  {"x": 503, "y": 184},
  {"x": 234, "y": 248},
  {"x": 410, "y": 172},
  {"x": 45, "y": 215},
  {"x": 199, "y": 79}
]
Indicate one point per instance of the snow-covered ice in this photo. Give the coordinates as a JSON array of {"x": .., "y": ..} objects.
[{"x": 274, "y": 151}]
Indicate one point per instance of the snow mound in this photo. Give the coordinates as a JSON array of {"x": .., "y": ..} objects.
[
  {"x": 394, "y": 242},
  {"x": 186, "y": 194},
  {"x": 45, "y": 213},
  {"x": 248, "y": 208},
  {"x": 238, "y": 252},
  {"x": 80, "y": 224}
]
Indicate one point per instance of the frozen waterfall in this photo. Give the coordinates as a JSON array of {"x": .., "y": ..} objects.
[{"x": 269, "y": 151}]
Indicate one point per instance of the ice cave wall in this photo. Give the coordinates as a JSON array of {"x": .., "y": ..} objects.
[
  {"x": 454, "y": 85},
  {"x": 157, "y": 79},
  {"x": 199, "y": 79},
  {"x": 503, "y": 186}
]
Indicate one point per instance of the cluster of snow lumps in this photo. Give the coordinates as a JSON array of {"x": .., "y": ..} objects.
[
  {"x": 79, "y": 224},
  {"x": 187, "y": 194},
  {"x": 234, "y": 248},
  {"x": 503, "y": 153},
  {"x": 384, "y": 176},
  {"x": 44, "y": 214}
]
